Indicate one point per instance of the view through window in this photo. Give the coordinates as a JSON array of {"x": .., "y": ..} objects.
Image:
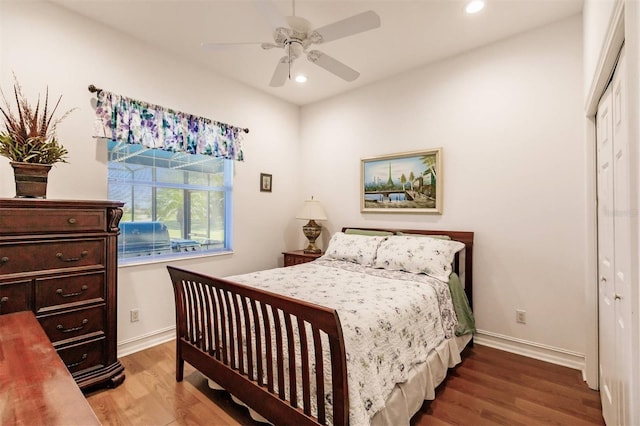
[{"x": 176, "y": 204}]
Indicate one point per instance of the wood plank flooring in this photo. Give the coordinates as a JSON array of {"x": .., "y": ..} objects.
[{"x": 490, "y": 387}]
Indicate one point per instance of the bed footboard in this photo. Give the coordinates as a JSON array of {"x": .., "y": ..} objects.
[{"x": 243, "y": 338}]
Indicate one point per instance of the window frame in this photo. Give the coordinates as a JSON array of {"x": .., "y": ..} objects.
[{"x": 188, "y": 164}]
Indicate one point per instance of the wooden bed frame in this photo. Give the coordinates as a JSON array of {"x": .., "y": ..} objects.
[{"x": 223, "y": 328}]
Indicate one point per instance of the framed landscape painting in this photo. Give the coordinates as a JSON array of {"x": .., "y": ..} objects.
[{"x": 409, "y": 182}]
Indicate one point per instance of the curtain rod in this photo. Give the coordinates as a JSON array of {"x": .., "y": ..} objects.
[{"x": 94, "y": 89}]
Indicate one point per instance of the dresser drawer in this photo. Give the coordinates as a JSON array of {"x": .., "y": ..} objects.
[
  {"x": 62, "y": 292},
  {"x": 83, "y": 356},
  {"x": 298, "y": 257},
  {"x": 24, "y": 221},
  {"x": 71, "y": 324},
  {"x": 294, "y": 260},
  {"x": 51, "y": 255},
  {"x": 15, "y": 297}
]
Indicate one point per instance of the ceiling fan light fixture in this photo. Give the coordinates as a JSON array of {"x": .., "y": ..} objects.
[
  {"x": 301, "y": 78},
  {"x": 315, "y": 37},
  {"x": 294, "y": 49},
  {"x": 474, "y": 6},
  {"x": 281, "y": 35}
]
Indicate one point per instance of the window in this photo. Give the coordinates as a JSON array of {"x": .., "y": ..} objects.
[{"x": 176, "y": 204}]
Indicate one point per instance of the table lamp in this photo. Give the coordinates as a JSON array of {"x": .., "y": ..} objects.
[{"x": 312, "y": 211}]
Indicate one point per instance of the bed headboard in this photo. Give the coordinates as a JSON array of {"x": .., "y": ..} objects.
[{"x": 463, "y": 263}]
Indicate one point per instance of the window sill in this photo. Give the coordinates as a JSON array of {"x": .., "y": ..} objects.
[{"x": 165, "y": 259}]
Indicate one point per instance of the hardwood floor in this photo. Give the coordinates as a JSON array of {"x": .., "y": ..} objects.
[{"x": 490, "y": 387}]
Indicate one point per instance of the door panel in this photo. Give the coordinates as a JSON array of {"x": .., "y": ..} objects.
[
  {"x": 614, "y": 250},
  {"x": 622, "y": 243},
  {"x": 606, "y": 289}
]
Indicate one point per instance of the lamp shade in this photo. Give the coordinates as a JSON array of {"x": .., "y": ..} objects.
[{"x": 312, "y": 210}]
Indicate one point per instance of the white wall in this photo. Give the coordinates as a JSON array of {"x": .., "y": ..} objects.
[
  {"x": 46, "y": 45},
  {"x": 509, "y": 118}
]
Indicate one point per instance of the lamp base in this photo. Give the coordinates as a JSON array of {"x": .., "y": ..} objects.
[
  {"x": 312, "y": 249},
  {"x": 312, "y": 231}
]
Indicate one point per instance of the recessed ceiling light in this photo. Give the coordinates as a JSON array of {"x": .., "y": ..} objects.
[
  {"x": 474, "y": 6},
  {"x": 301, "y": 78}
]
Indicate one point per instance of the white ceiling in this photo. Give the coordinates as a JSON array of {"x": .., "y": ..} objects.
[{"x": 412, "y": 33}]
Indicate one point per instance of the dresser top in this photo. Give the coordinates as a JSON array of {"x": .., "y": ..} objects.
[{"x": 49, "y": 203}]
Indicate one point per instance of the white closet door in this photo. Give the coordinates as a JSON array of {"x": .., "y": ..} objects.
[
  {"x": 622, "y": 237},
  {"x": 606, "y": 290},
  {"x": 614, "y": 250}
]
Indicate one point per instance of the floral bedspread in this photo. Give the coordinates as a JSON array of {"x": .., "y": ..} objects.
[{"x": 391, "y": 320}]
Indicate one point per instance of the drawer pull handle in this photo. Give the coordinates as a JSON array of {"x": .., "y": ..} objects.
[
  {"x": 4, "y": 299},
  {"x": 82, "y": 359},
  {"x": 4, "y": 260},
  {"x": 72, "y": 220},
  {"x": 72, "y": 259},
  {"x": 69, "y": 330},
  {"x": 82, "y": 290}
]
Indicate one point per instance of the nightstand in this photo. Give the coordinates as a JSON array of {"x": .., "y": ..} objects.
[{"x": 297, "y": 257}]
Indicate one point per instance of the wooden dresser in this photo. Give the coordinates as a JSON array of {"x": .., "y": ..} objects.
[{"x": 59, "y": 260}]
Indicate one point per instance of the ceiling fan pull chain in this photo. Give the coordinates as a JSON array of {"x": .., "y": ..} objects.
[{"x": 289, "y": 49}]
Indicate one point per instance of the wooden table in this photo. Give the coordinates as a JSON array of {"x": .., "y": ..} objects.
[{"x": 35, "y": 386}]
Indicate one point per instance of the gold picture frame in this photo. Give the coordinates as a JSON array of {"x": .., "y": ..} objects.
[{"x": 407, "y": 182}]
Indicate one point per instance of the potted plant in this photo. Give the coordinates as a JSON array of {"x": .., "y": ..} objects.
[{"x": 29, "y": 141}]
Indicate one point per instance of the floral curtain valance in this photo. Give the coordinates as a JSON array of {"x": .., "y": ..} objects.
[{"x": 122, "y": 119}]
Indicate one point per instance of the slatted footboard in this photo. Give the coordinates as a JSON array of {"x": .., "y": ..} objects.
[{"x": 243, "y": 338}]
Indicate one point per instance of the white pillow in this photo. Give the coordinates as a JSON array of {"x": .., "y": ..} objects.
[
  {"x": 430, "y": 256},
  {"x": 353, "y": 248}
]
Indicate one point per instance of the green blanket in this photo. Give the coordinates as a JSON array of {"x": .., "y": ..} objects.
[{"x": 466, "y": 322}]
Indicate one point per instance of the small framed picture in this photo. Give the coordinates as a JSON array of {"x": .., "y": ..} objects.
[{"x": 265, "y": 182}]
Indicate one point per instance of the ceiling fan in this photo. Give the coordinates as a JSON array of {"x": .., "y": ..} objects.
[{"x": 294, "y": 35}]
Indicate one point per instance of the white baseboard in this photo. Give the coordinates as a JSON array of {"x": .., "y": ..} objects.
[
  {"x": 135, "y": 344},
  {"x": 529, "y": 349},
  {"x": 482, "y": 337}
]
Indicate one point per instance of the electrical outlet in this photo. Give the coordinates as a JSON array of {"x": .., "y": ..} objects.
[
  {"x": 521, "y": 316},
  {"x": 135, "y": 315}
]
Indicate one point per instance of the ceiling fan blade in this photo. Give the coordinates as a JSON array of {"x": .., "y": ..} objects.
[
  {"x": 225, "y": 46},
  {"x": 332, "y": 65},
  {"x": 364, "y": 21},
  {"x": 270, "y": 13},
  {"x": 281, "y": 72}
]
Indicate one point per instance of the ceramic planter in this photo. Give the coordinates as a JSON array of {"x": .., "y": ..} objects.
[{"x": 31, "y": 179}]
